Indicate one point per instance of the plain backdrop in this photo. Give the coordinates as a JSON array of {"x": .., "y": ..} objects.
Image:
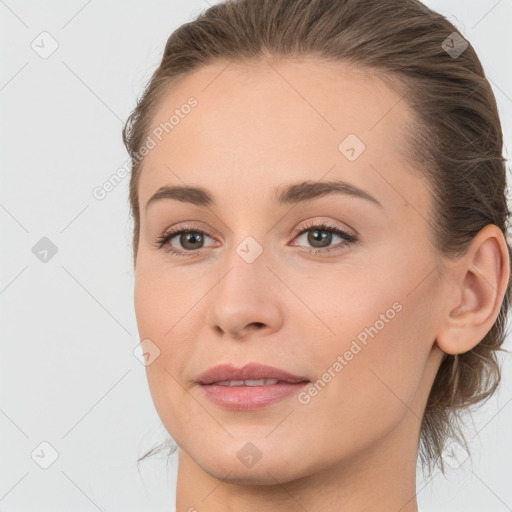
[{"x": 73, "y": 395}]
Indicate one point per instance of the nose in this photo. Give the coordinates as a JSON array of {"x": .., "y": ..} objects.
[{"x": 246, "y": 300}]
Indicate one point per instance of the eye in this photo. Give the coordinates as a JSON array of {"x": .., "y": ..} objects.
[
  {"x": 191, "y": 239},
  {"x": 320, "y": 236}
]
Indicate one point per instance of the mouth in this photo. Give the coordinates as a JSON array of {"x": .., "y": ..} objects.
[
  {"x": 252, "y": 374},
  {"x": 249, "y": 388},
  {"x": 250, "y": 382}
]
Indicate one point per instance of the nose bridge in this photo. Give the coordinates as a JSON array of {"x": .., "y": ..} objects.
[
  {"x": 243, "y": 296},
  {"x": 248, "y": 244},
  {"x": 247, "y": 271}
]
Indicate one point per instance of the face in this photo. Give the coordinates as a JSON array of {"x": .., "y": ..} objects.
[{"x": 335, "y": 285}]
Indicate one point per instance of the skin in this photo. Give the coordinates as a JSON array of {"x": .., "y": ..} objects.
[{"x": 354, "y": 446}]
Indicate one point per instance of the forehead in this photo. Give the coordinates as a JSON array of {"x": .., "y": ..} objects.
[{"x": 261, "y": 124}]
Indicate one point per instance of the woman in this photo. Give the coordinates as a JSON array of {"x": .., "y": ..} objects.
[{"x": 322, "y": 272}]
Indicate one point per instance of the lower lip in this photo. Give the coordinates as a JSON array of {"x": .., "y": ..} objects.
[{"x": 249, "y": 398}]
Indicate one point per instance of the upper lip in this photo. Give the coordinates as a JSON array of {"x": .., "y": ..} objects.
[{"x": 251, "y": 371}]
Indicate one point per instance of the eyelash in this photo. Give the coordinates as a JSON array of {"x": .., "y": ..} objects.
[{"x": 319, "y": 226}]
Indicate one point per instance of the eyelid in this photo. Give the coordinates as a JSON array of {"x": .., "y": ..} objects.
[
  {"x": 188, "y": 226},
  {"x": 309, "y": 224},
  {"x": 195, "y": 226}
]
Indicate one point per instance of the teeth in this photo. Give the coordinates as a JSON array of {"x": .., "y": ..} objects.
[{"x": 260, "y": 382}]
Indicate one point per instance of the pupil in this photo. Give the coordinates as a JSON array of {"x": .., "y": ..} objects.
[
  {"x": 325, "y": 237},
  {"x": 190, "y": 238}
]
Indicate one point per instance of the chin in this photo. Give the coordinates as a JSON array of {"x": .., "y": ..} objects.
[
  {"x": 268, "y": 472},
  {"x": 262, "y": 461}
]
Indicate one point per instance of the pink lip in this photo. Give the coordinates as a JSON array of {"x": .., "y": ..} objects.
[
  {"x": 248, "y": 398},
  {"x": 251, "y": 371}
]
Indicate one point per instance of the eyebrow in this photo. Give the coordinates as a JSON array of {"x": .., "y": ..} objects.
[{"x": 291, "y": 194}]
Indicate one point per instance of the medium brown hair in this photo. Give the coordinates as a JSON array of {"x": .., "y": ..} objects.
[{"x": 456, "y": 141}]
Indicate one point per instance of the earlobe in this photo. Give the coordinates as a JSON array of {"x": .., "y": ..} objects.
[{"x": 479, "y": 280}]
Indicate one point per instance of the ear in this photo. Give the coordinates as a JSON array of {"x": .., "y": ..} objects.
[{"x": 477, "y": 283}]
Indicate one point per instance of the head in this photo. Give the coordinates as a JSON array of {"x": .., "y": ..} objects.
[{"x": 260, "y": 103}]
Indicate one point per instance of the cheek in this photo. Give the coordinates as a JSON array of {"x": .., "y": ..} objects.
[
  {"x": 370, "y": 361},
  {"x": 369, "y": 392},
  {"x": 165, "y": 310},
  {"x": 160, "y": 299}
]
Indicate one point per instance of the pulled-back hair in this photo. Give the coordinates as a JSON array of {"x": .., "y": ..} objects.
[{"x": 456, "y": 142}]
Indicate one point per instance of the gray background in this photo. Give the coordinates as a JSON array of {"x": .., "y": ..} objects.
[{"x": 69, "y": 376}]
